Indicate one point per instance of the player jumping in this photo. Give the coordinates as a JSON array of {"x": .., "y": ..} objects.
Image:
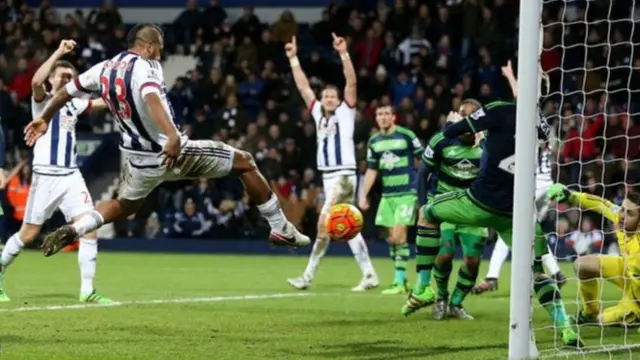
[
  {"x": 57, "y": 183},
  {"x": 488, "y": 203},
  {"x": 543, "y": 181},
  {"x": 131, "y": 83},
  {"x": 621, "y": 270},
  {"x": 452, "y": 164},
  {"x": 390, "y": 153},
  {"x": 335, "y": 123}
]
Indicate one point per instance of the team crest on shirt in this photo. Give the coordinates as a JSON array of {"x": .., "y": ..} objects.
[
  {"x": 68, "y": 117},
  {"x": 327, "y": 129},
  {"x": 389, "y": 160}
]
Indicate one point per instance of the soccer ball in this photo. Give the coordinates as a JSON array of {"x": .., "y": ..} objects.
[{"x": 343, "y": 222}]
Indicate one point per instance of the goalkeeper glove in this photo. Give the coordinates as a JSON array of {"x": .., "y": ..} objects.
[{"x": 559, "y": 193}]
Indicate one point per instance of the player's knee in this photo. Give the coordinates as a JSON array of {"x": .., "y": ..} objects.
[
  {"x": 29, "y": 232},
  {"x": 587, "y": 267},
  {"x": 444, "y": 258},
  {"x": 243, "y": 162},
  {"x": 472, "y": 262},
  {"x": 423, "y": 221}
]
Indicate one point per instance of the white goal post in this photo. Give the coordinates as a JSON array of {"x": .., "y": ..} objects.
[{"x": 524, "y": 181}]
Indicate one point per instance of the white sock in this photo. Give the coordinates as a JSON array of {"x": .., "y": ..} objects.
[
  {"x": 11, "y": 249},
  {"x": 361, "y": 254},
  {"x": 87, "y": 256},
  {"x": 272, "y": 212},
  {"x": 498, "y": 257},
  {"x": 88, "y": 222},
  {"x": 550, "y": 263},
  {"x": 319, "y": 249}
]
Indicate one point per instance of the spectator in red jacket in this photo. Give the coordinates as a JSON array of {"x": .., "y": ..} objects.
[
  {"x": 368, "y": 50},
  {"x": 580, "y": 146},
  {"x": 21, "y": 82}
]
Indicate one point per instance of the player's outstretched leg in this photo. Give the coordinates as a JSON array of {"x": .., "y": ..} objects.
[
  {"x": 498, "y": 258},
  {"x": 197, "y": 164},
  {"x": 427, "y": 246},
  {"x": 317, "y": 253},
  {"x": 361, "y": 254}
]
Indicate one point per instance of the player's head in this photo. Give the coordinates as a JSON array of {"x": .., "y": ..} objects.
[
  {"x": 385, "y": 117},
  {"x": 62, "y": 72},
  {"x": 330, "y": 98},
  {"x": 629, "y": 220},
  {"x": 147, "y": 40},
  {"x": 469, "y": 106}
]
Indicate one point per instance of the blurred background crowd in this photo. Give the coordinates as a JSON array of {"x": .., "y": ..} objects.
[{"x": 423, "y": 57}]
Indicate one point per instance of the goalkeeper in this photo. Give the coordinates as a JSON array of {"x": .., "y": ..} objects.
[
  {"x": 487, "y": 203},
  {"x": 621, "y": 270},
  {"x": 452, "y": 165}
]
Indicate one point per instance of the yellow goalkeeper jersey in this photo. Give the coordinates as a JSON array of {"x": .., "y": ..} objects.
[{"x": 629, "y": 244}]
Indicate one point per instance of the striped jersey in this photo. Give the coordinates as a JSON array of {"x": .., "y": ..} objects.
[
  {"x": 123, "y": 82},
  {"x": 392, "y": 155},
  {"x": 55, "y": 152},
  {"x": 543, "y": 168},
  {"x": 336, "y": 150},
  {"x": 453, "y": 164}
]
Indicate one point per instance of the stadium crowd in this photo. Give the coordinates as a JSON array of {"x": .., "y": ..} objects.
[{"x": 423, "y": 57}]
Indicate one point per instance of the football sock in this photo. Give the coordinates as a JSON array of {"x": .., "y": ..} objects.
[
  {"x": 87, "y": 256},
  {"x": 442, "y": 273},
  {"x": 551, "y": 300},
  {"x": 319, "y": 249},
  {"x": 88, "y": 222},
  {"x": 400, "y": 261},
  {"x": 466, "y": 281},
  {"x": 498, "y": 257},
  {"x": 550, "y": 263},
  {"x": 11, "y": 249},
  {"x": 272, "y": 212},
  {"x": 589, "y": 293},
  {"x": 361, "y": 254},
  {"x": 427, "y": 246},
  {"x": 392, "y": 254}
]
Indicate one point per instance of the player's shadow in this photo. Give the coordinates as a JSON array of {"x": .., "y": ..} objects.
[
  {"x": 52, "y": 296},
  {"x": 374, "y": 350}
]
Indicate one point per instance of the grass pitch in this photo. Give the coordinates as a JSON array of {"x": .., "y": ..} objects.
[{"x": 240, "y": 307}]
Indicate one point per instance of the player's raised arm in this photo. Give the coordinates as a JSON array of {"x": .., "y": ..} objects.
[
  {"x": 561, "y": 193},
  {"x": 351, "y": 80},
  {"x": 43, "y": 72},
  {"x": 299, "y": 77},
  {"x": 476, "y": 122}
]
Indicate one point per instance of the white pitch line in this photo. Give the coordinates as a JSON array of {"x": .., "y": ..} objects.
[{"x": 158, "y": 301}]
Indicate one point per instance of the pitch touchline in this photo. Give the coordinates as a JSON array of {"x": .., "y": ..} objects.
[{"x": 159, "y": 301}]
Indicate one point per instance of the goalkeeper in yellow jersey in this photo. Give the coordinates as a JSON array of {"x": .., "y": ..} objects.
[{"x": 621, "y": 270}]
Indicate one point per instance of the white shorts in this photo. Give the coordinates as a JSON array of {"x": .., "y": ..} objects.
[
  {"x": 336, "y": 187},
  {"x": 542, "y": 187},
  {"x": 48, "y": 193},
  {"x": 198, "y": 159}
]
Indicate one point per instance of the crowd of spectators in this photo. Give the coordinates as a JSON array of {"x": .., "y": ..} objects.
[{"x": 423, "y": 57}]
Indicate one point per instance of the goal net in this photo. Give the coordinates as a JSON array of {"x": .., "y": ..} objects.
[{"x": 588, "y": 51}]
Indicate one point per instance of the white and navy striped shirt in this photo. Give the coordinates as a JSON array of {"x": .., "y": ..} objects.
[
  {"x": 55, "y": 152},
  {"x": 123, "y": 82},
  {"x": 336, "y": 150},
  {"x": 544, "y": 177}
]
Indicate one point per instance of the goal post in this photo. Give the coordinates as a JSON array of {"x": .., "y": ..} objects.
[{"x": 524, "y": 181}]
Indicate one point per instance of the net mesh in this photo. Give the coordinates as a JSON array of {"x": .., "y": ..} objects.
[{"x": 589, "y": 52}]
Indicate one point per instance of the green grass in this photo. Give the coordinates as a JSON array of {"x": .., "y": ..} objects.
[{"x": 327, "y": 323}]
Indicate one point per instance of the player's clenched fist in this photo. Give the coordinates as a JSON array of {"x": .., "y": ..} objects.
[
  {"x": 339, "y": 44},
  {"x": 558, "y": 192},
  {"x": 66, "y": 46},
  {"x": 291, "y": 49}
]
